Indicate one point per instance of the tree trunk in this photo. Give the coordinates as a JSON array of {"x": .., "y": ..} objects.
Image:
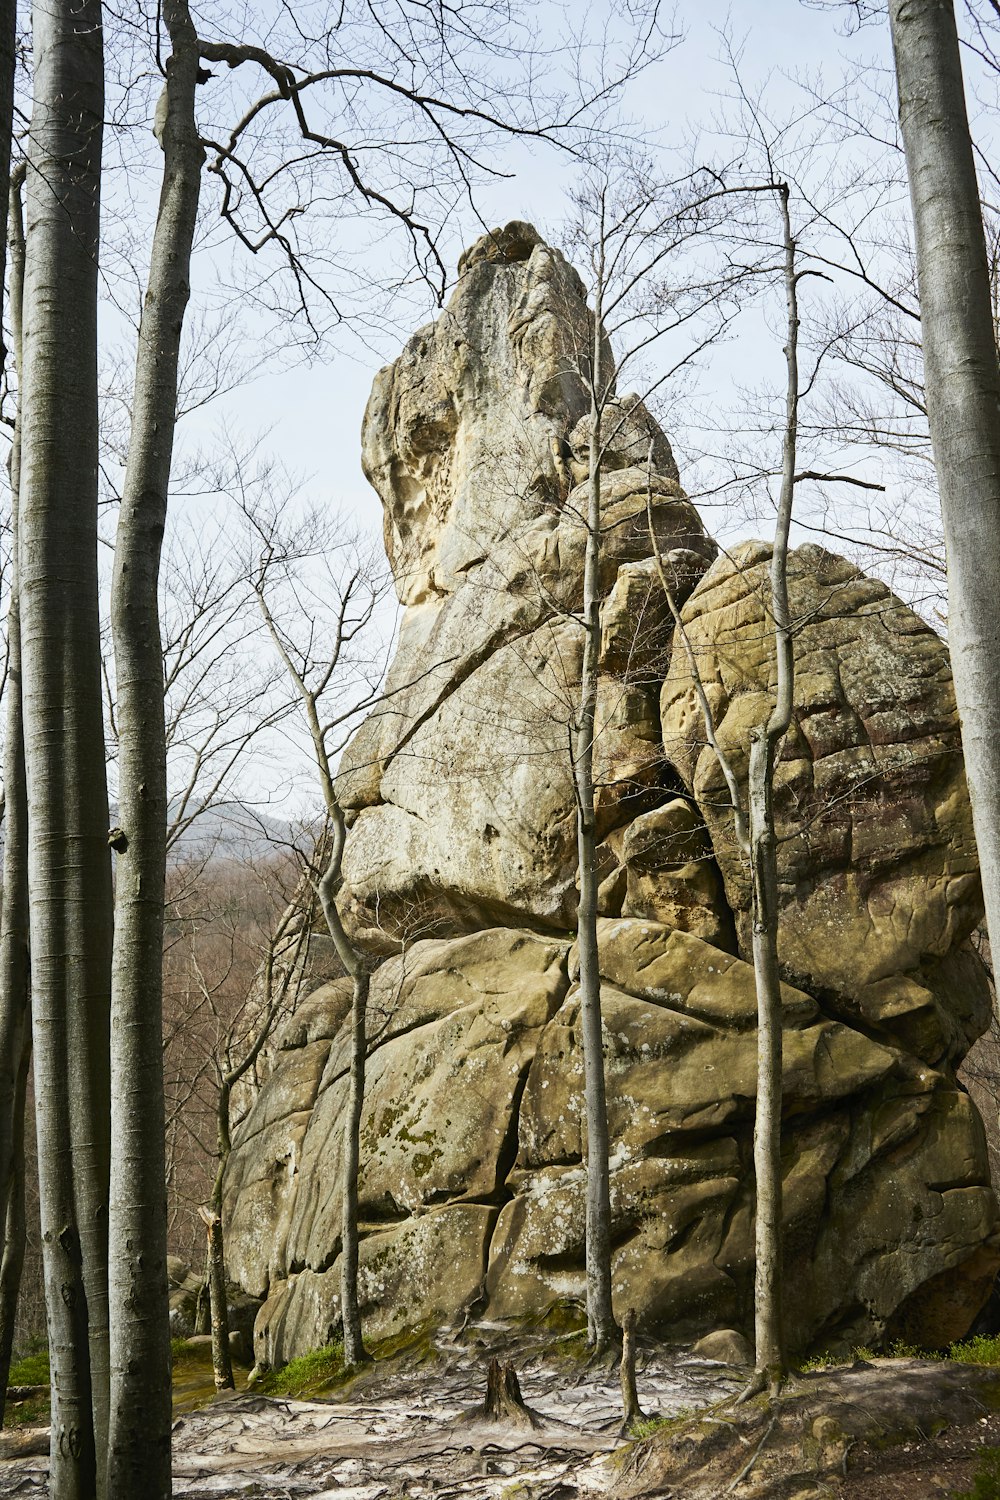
[
  {"x": 631, "y": 1410},
  {"x": 15, "y": 1225},
  {"x": 15, "y": 1020},
  {"x": 222, "y": 1360},
  {"x": 601, "y": 1328},
  {"x": 139, "y": 1448},
  {"x": 354, "y": 1349},
  {"x": 69, "y": 861},
  {"x": 356, "y": 966},
  {"x": 215, "y": 1263},
  {"x": 14, "y": 921},
  {"x": 962, "y": 383},
  {"x": 769, "y": 1352},
  {"x": 504, "y": 1402},
  {"x": 764, "y": 745}
]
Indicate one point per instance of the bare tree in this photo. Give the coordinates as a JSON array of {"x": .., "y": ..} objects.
[
  {"x": 139, "y": 1438},
  {"x": 323, "y": 664},
  {"x": 629, "y": 230},
  {"x": 273, "y": 994},
  {"x": 756, "y": 834}
]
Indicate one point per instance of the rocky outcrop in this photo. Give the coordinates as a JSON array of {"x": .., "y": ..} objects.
[
  {"x": 461, "y": 870},
  {"x": 476, "y": 439}
]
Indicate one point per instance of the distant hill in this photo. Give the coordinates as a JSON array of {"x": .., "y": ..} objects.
[{"x": 239, "y": 831}]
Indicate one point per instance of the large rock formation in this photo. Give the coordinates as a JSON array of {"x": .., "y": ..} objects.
[{"x": 461, "y": 868}]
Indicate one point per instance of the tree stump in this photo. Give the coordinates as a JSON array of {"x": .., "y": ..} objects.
[
  {"x": 504, "y": 1402},
  {"x": 633, "y": 1412}
]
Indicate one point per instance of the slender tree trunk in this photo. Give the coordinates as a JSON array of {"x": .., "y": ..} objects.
[
  {"x": 15, "y": 1224},
  {"x": 632, "y": 1412},
  {"x": 139, "y": 1450},
  {"x": 215, "y": 1263},
  {"x": 68, "y": 857},
  {"x": 764, "y": 745},
  {"x": 601, "y": 1328},
  {"x": 214, "y": 1291},
  {"x": 354, "y": 1349},
  {"x": 962, "y": 383},
  {"x": 15, "y": 1020},
  {"x": 222, "y": 1360},
  {"x": 356, "y": 966}
]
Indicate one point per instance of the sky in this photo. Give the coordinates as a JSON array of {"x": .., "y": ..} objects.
[
  {"x": 312, "y": 413},
  {"x": 308, "y": 411}
]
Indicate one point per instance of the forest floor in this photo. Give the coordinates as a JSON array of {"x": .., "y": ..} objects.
[{"x": 409, "y": 1427}]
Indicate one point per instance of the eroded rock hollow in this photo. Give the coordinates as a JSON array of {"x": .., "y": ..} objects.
[{"x": 461, "y": 871}]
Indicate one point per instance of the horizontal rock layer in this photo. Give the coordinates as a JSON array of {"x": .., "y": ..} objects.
[{"x": 472, "y": 1186}]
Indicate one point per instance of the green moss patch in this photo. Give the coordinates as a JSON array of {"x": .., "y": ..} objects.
[{"x": 314, "y": 1374}]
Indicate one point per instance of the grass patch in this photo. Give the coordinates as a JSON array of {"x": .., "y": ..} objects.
[
  {"x": 314, "y": 1373},
  {"x": 833, "y": 1361},
  {"x": 31, "y": 1413},
  {"x": 647, "y": 1426},
  {"x": 33, "y": 1369},
  {"x": 986, "y": 1485},
  {"x": 900, "y": 1349},
  {"x": 182, "y": 1352},
  {"x": 982, "y": 1350}
]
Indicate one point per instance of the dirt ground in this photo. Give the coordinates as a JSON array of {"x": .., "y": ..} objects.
[
  {"x": 408, "y": 1429},
  {"x": 403, "y": 1429},
  {"x": 941, "y": 1466}
]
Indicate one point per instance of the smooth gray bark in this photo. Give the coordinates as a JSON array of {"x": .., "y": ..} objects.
[
  {"x": 68, "y": 856},
  {"x": 765, "y": 743},
  {"x": 15, "y": 1019},
  {"x": 962, "y": 385},
  {"x": 15, "y": 1223},
  {"x": 215, "y": 1261},
  {"x": 601, "y": 1328},
  {"x": 139, "y": 1447}
]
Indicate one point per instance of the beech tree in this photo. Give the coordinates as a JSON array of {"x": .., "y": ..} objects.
[
  {"x": 962, "y": 383},
  {"x": 139, "y": 1439},
  {"x": 68, "y": 856},
  {"x": 15, "y": 1013}
]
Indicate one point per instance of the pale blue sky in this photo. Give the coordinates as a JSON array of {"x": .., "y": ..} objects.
[{"x": 314, "y": 413}]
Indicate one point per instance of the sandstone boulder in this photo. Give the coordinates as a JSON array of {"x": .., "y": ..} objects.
[
  {"x": 461, "y": 872},
  {"x": 473, "y": 1183},
  {"x": 877, "y": 861}
]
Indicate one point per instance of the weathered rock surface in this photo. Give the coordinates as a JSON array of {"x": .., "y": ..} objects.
[
  {"x": 476, "y": 440},
  {"x": 877, "y": 860},
  {"x": 463, "y": 827}
]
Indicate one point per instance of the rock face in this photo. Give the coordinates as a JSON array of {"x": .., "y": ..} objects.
[
  {"x": 476, "y": 440},
  {"x": 461, "y": 869}
]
